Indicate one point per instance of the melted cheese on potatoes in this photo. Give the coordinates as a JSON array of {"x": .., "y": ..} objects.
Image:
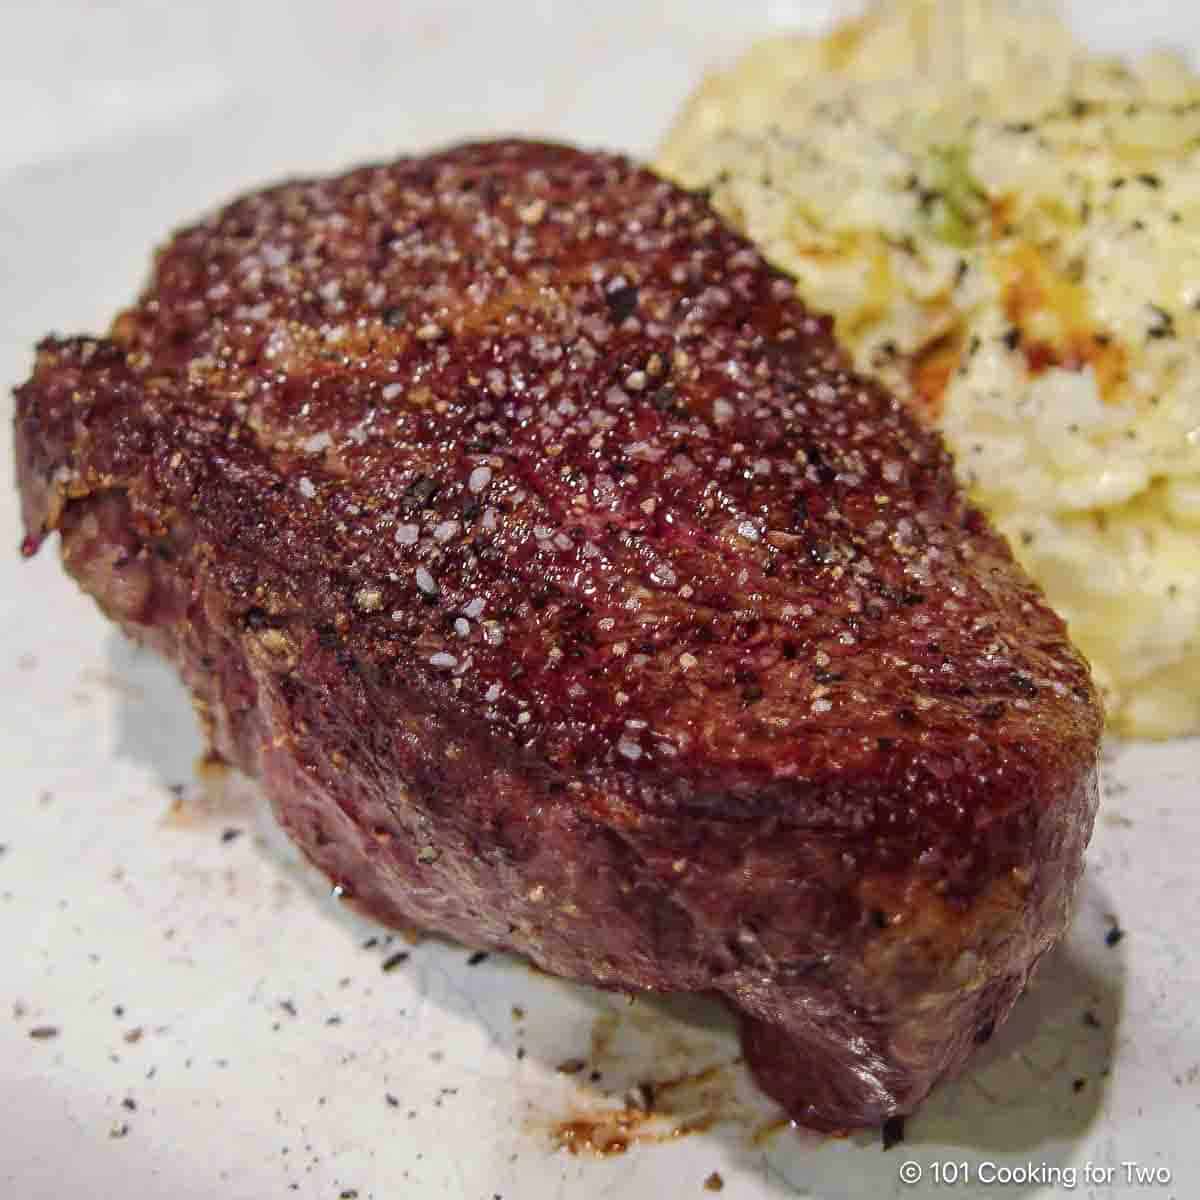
[{"x": 1007, "y": 231}]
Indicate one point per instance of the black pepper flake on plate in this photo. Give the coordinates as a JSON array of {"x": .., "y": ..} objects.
[
  {"x": 893, "y": 1132},
  {"x": 1114, "y": 935},
  {"x": 1091, "y": 1020},
  {"x": 393, "y": 961},
  {"x": 476, "y": 958},
  {"x": 714, "y": 1183},
  {"x": 43, "y": 1033},
  {"x": 392, "y": 1101},
  {"x": 570, "y": 1066},
  {"x": 119, "y": 1129},
  {"x": 230, "y": 835},
  {"x": 1077, "y": 1085}
]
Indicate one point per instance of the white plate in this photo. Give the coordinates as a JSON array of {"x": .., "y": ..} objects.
[{"x": 222, "y": 1032}]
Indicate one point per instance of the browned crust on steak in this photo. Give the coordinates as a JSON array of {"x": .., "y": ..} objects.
[{"x": 511, "y": 519}]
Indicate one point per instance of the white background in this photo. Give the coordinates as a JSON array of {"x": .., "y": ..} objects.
[{"x": 119, "y": 121}]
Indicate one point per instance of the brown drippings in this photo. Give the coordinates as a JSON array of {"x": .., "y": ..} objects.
[
  {"x": 611, "y": 1133},
  {"x": 765, "y": 1133},
  {"x": 653, "y": 1112},
  {"x": 212, "y": 768},
  {"x": 215, "y": 798}
]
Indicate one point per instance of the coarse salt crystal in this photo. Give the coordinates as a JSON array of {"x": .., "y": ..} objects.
[
  {"x": 407, "y": 535},
  {"x": 479, "y": 479},
  {"x": 426, "y": 582},
  {"x": 445, "y": 662},
  {"x": 307, "y": 490}
]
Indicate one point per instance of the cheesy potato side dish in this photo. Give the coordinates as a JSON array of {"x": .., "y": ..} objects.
[{"x": 1006, "y": 229}]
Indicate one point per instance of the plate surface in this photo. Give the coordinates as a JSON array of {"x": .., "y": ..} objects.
[{"x": 211, "y": 1025}]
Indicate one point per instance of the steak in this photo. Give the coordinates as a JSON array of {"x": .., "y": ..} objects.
[{"x": 512, "y": 521}]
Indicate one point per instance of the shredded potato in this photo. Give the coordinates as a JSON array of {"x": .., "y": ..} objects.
[{"x": 1007, "y": 231}]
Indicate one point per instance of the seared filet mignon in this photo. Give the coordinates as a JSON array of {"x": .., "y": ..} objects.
[{"x": 513, "y": 522}]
